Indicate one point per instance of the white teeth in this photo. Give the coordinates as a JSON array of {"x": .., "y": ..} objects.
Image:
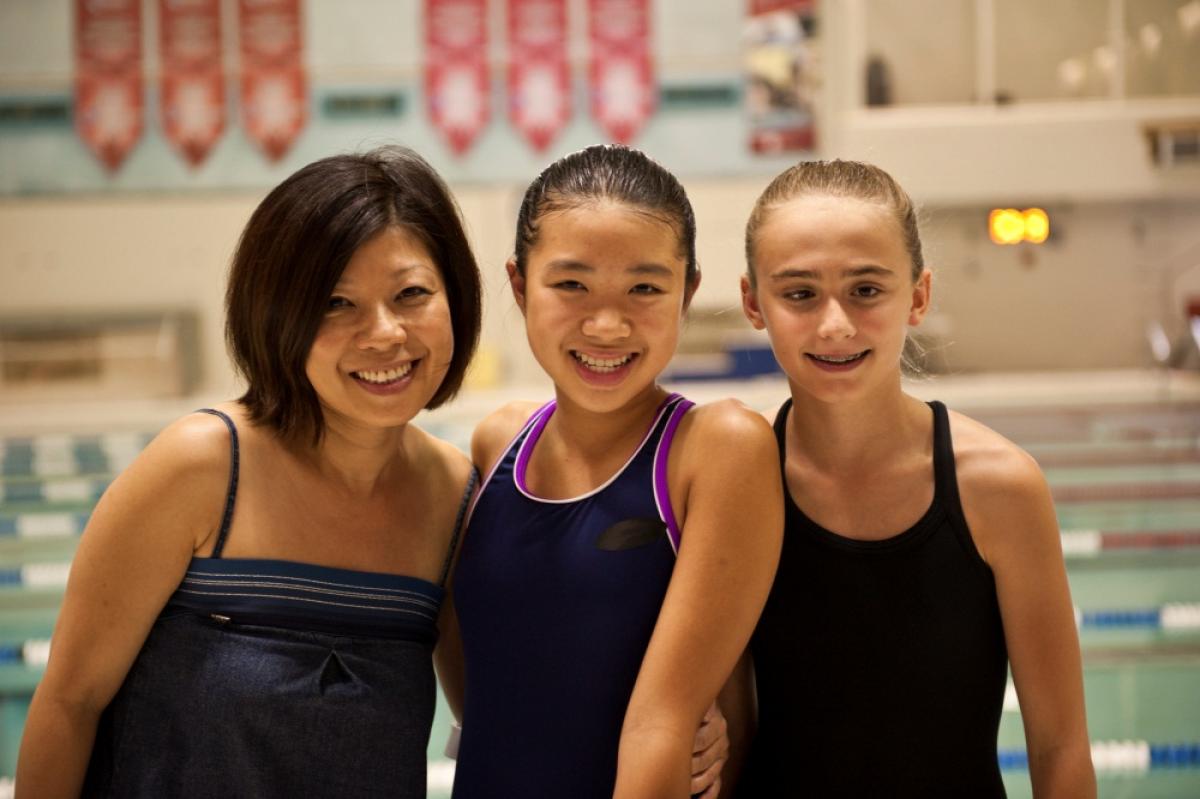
[
  {"x": 385, "y": 376},
  {"x": 602, "y": 365},
  {"x": 840, "y": 358}
]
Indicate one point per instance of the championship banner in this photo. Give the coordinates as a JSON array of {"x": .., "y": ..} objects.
[
  {"x": 192, "y": 89},
  {"x": 274, "y": 87},
  {"x": 539, "y": 77},
  {"x": 620, "y": 68},
  {"x": 781, "y": 75},
  {"x": 108, "y": 77},
  {"x": 456, "y": 70}
]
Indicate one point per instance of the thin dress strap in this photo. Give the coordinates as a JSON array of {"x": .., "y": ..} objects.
[
  {"x": 231, "y": 492},
  {"x": 458, "y": 523}
]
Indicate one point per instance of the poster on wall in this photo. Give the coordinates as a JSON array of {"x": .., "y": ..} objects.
[
  {"x": 539, "y": 77},
  {"x": 192, "y": 88},
  {"x": 620, "y": 67},
  {"x": 274, "y": 90},
  {"x": 781, "y": 75},
  {"x": 456, "y": 70},
  {"x": 108, "y": 77}
]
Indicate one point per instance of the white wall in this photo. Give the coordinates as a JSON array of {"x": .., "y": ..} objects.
[{"x": 1081, "y": 301}]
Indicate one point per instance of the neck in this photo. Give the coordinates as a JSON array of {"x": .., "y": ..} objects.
[
  {"x": 355, "y": 457},
  {"x": 849, "y": 435},
  {"x": 590, "y": 431}
]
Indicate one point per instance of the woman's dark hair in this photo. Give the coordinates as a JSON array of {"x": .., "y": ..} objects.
[
  {"x": 608, "y": 172},
  {"x": 855, "y": 179},
  {"x": 293, "y": 251}
]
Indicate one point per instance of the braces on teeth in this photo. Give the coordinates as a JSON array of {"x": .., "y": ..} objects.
[{"x": 842, "y": 359}]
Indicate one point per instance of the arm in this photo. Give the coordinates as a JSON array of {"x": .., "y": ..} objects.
[
  {"x": 740, "y": 703},
  {"x": 727, "y": 559},
  {"x": 1011, "y": 516},
  {"x": 131, "y": 557}
]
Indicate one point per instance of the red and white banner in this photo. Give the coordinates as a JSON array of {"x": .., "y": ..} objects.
[
  {"x": 620, "y": 69},
  {"x": 192, "y": 96},
  {"x": 108, "y": 77},
  {"x": 274, "y": 86},
  {"x": 539, "y": 77},
  {"x": 456, "y": 70}
]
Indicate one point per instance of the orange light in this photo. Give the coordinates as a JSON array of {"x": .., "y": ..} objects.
[
  {"x": 1006, "y": 226},
  {"x": 1037, "y": 225},
  {"x": 1010, "y": 226}
]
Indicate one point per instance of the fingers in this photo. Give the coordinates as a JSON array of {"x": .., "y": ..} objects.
[
  {"x": 698, "y": 788},
  {"x": 712, "y": 729},
  {"x": 718, "y": 751}
]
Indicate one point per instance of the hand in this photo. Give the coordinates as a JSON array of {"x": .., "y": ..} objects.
[{"x": 710, "y": 749}]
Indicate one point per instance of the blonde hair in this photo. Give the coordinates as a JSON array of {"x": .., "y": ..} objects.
[{"x": 838, "y": 178}]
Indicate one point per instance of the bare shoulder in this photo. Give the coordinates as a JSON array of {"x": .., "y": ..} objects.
[
  {"x": 443, "y": 458},
  {"x": 198, "y": 444},
  {"x": 988, "y": 465},
  {"x": 727, "y": 422},
  {"x": 496, "y": 429},
  {"x": 176, "y": 483},
  {"x": 1005, "y": 498}
]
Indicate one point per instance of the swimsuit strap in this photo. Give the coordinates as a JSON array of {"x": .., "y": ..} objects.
[
  {"x": 231, "y": 492},
  {"x": 458, "y": 523}
]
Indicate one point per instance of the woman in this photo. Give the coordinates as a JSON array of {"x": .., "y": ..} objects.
[{"x": 254, "y": 602}]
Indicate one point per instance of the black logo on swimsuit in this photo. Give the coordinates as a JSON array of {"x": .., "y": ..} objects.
[{"x": 630, "y": 534}]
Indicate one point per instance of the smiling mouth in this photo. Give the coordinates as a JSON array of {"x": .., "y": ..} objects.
[
  {"x": 839, "y": 360},
  {"x": 602, "y": 365},
  {"x": 382, "y": 377}
]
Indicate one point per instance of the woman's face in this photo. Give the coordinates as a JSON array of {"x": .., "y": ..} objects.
[
  {"x": 836, "y": 295},
  {"x": 602, "y": 294},
  {"x": 385, "y": 343}
]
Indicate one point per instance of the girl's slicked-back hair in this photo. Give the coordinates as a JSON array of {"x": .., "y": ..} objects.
[
  {"x": 838, "y": 178},
  {"x": 608, "y": 172},
  {"x": 292, "y": 254}
]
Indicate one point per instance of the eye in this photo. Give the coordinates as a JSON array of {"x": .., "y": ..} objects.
[
  {"x": 413, "y": 293},
  {"x": 867, "y": 292},
  {"x": 569, "y": 285},
  {"x": 799, "y": 294},
  {"x": 336, "y": 302},
  {"x": 645, "y": 288}
]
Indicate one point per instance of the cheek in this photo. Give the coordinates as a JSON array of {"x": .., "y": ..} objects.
[{"x": 438, "y": 327}]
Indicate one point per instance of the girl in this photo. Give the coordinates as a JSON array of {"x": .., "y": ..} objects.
[
  {"x": 921, "y": 552},
  {"x": 253, "y": 605},
  {"x": 609, "y": 577}
]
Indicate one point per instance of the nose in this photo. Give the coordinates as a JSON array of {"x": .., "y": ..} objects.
[
  {"x": 606, "y": 323},
  {"x": 383, "y": 330},
  {"x": 835, "y": 322}
]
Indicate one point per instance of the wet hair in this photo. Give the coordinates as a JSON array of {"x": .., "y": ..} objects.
[
  {"x": 608, "y": 172},
  {"x": 293, "y": 252},
  {"x": 838, "y": 178}
]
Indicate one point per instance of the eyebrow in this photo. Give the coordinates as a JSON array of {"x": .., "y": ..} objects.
[
  {"x": 811, "y": 274},
  {"x": 578, "y": 267},
  {"x": 399, "y": 271}
]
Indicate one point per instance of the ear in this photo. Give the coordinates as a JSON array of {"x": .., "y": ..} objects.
[
  {"x": 921, "y": 298},
  {"x": 690, "y": 291},
  {"x": 517, "y": 281},
  {"x": 750, "y": 305}
]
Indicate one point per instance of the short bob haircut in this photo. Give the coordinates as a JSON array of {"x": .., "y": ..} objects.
[{"x": 293, "y": 251}]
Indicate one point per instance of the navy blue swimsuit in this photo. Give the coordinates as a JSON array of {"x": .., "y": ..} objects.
[
  {"x": 270, "y": 678},
  {"x": 556, "y": 601}
]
